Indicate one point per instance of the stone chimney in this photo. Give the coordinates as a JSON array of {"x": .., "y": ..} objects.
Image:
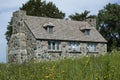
[
  {"x": 91, "y": 21},
  {"x": 17, "y": 44},
  {"x": 18, "y": 20},
  {"x": 20, "y": 14}
]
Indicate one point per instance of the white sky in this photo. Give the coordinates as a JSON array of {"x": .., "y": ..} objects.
[{"x": 7, "y": 7}]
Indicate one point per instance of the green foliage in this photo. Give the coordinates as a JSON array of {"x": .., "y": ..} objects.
[
  {"x": 105, "y": 67},
  {"x": 43, "y": 9},
  {"x": 9, "y": 31},
  {"x": 109, "y": 24},
  {"x": 81, "y": 17},
  {"x": 33, "y": 7}
]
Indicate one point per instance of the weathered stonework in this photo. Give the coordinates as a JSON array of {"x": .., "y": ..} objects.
[{"x": 30, "y": 39}]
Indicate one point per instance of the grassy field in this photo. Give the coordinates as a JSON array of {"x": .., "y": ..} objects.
[{"x": 105, "y": 67}]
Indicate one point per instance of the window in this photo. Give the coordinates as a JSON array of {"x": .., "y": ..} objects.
[
  {"x": 50, "y": 29},
  {"x": 49, "y": 45},
  {"x": 53, "y": 45},
  {"x": 57, "y": 46},
  {"x": 74, "y": 46},
  {"x": 91, "y": 47},
  {"x": 87, "y": 32}
]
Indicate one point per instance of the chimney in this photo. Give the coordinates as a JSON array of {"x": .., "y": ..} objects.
[
  {"x": 91, "y": 21},
  {"x": 20, "y": 14},
  {"x": 18, "y": 21}
]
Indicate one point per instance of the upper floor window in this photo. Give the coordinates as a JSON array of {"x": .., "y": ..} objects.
[
  {"x": 50, "y": 29},
  {"x": 87, "y": 32},
  {"x": 91, "y": 47}
]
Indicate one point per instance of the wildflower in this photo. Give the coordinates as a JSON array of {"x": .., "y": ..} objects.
[
  {"x": 46, "y": 77},
  {"x": 63, "y": 71},
  {"x": 46, "y": 68},
  {"x": 50, "y": 74},
  {"x": 97, "y": 79},
  {"x": 54, "y": 66}
]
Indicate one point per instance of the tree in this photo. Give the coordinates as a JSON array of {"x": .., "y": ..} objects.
[
  {"x": 109, "y": 24},
  {"x": 33, "y": 7},
  {"x": 9, "y": 31},
  {"x": 50, "y": 10},
  {"x": 43, "y": 9},
  {"x": 37, "y": 8},
  {"x": 82, "y": 16}
]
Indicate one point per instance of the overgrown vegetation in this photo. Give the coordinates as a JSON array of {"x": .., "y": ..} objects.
[{"x": 105, "y": 67}]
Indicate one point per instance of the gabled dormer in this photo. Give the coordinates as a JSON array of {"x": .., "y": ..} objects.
[
  {"x": 49, "y": 27},
  {"x": 86, "y": 30}
]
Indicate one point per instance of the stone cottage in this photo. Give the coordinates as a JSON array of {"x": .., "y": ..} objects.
[{"x": 41, "y": 38}]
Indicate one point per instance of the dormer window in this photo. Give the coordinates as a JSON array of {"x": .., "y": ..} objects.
[
  {"x": 49, "y": 27},
  {"x": 86, "y": 30}
]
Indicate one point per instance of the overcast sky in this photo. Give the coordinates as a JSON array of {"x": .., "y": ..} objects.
[{"x": 7, "y": 7}]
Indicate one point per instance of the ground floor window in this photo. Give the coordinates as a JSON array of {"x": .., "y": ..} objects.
[
  {"x": 74, "y": 46},
  {"x": 53, "y": 45},
  {"x": 91, "y": 47}
]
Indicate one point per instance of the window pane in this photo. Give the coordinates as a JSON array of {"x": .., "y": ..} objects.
[
  {"x": 91, "y": 46},
  {"x": 49, "y": 45},
  {"x": 74, "y": 45},
  {"x": 57, "y": 46},
  {"x": 94, "y": 47},
  {"x": 53, "y": 45},
  {"x": 87, "y": 32},
  {"x": 50, "y": 29},
  {"x": 69, "y": 43}
]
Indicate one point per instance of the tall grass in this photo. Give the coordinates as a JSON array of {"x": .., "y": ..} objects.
[{"x": 105, "y": 67}]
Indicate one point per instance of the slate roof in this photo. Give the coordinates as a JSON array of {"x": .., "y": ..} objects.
[{"x": 63, "y": 29}]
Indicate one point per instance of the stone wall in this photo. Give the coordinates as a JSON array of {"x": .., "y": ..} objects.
[
  {"x": 102, "y": 48},
  {"x": 17, "y": 48},
  {"x": 22, "y": 44},
  {"x": 42, "y": 52},
  {"x": 31, "y": 43}
]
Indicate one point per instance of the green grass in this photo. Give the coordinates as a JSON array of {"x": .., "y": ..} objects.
[{"x": 105, "y": 67}]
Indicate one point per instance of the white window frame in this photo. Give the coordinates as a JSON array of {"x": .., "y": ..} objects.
[
  {"x": 92, "y": 47},
  {"x": 53, "y": 45},
  {"x": 74, "y": 46}
]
